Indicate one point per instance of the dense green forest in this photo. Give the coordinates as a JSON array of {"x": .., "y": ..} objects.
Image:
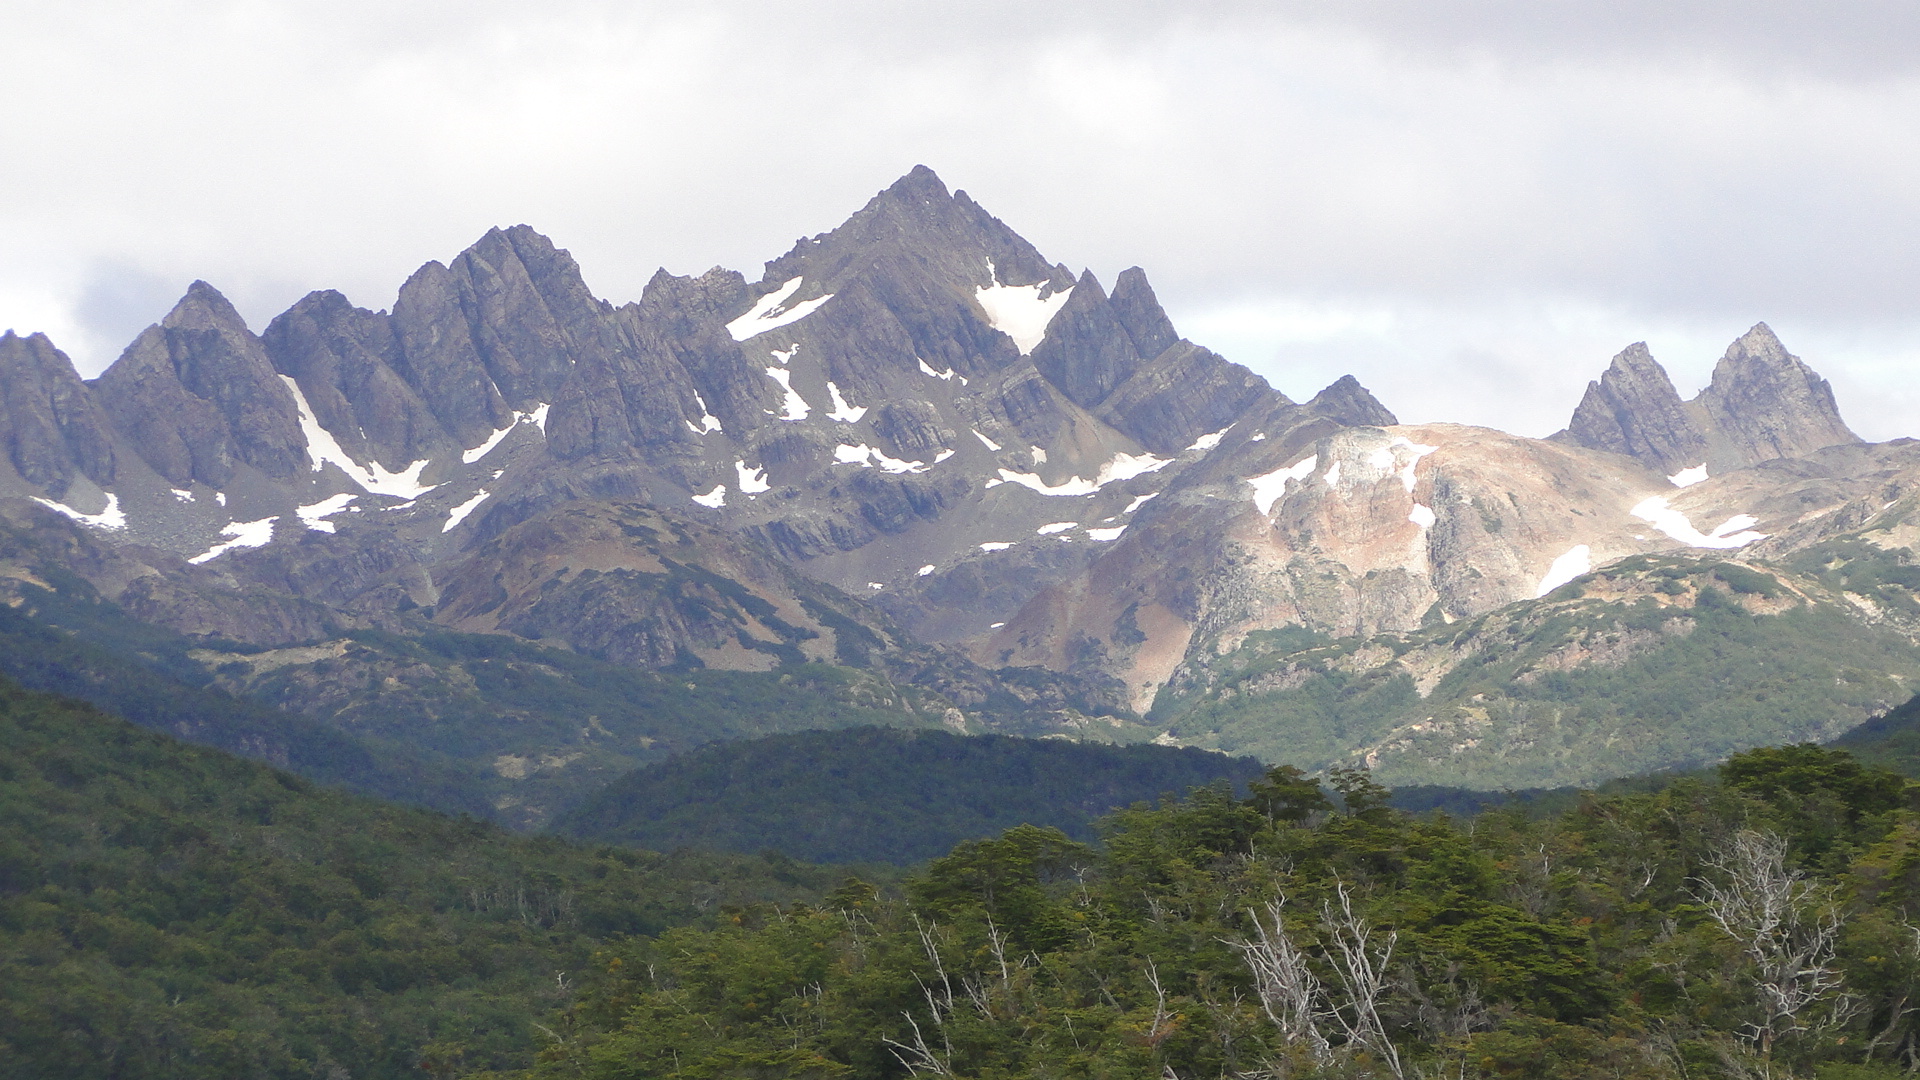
[
  {"x": 1754, "y": 922},
  {"x": 171, "y": 911},
  {"x": 883, "y": 794},
  {"x": 429, "y": 718}
]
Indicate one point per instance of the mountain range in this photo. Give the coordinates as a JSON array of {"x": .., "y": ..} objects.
[{"x": 914, "y": 473}]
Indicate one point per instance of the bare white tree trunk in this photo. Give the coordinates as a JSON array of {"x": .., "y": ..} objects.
[
  {"x": 1360, "y": 961},
  {"x": 1286, "y": 986},
  {"x": 1787, "y": 927}
]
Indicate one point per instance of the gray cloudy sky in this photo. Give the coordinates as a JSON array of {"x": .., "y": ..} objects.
[{"x": 1469, "y": 205}]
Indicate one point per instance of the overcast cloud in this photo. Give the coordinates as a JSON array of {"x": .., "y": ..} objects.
[{"x": 1470, "y": 206}]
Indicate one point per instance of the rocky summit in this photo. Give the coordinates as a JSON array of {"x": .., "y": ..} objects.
[{"x": 912, "y": 449}]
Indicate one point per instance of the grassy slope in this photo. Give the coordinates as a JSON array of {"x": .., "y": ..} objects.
[
  {"x": 885, "y": 795},
  {"x": 168, "y": 910},
  {"x": 1651, "y": 664}
]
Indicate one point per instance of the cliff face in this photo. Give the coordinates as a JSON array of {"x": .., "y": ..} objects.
[
  {"x": 904, "y": 440},
  {"x": 1762, "y": 404}
]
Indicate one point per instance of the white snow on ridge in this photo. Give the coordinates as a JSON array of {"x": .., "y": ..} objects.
[
  {"x": 182, "y": 495},
  {"x": 536, "y": 416},
  {"x": 984, "y": 441},
  {"x": 1056, "y": 527},
  {"x": 795, "y": 407},
  {"x": 925, "y": 570},
  {"x": 1577, "y": 560},
  {"x": 1019, "y": 311},
  {"x": 707, "y": 420},
  {"x": 1140, "y": 500},
  {"x": 716, "y": 498},
  {"x": 246, "y": 534},
  {"x": 1734, "y": 532},
  {"x": 322, "y": 447},
  {"x": 995, "y": 545},
  {"x": 770, "y": 314},
  {"x": 1689, "y": 477},
  {"x": 752, "y": 481},
  {"x": 1104, "y": 536},
  {"x": 459, "y": 513},
  {"x": 842, "y": 411},
  {"x": 868, "y": 457},
  {"x": 1208, "y": 442},
  {"x": 1268, "y": 488},
  {"x": 1422, "y": 516},
  {"x": 111, "y": 518},
  {"x": 314, "y": 515},
  {"x": 927, "y": 369},
  {"x": 1415, "y": 450},
  {"x": 1121, "y": 467}
]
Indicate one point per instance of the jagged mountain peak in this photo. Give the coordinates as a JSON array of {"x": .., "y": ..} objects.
[
  {"x": 1761, "y": 344},
  {"x": 1763, "y": 403},
  {"x": 204, "y": 307},
  {"x": 1347, "y": 401}
]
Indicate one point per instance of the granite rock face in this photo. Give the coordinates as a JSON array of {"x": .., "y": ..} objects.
[
  {"x": 1762, "y": 404},
  {"x": 910, "y": 444},
  {"x": 196, "y": 396},
  {"x": 51, "y": 427}
]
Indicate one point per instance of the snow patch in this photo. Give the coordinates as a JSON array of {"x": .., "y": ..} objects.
[
  {"x": 924, "y": 571},
  {"x": 842, "y": 411},
  {"x": 948, "y": 375},
  {"x": 942, "y": 456},
  {"x": 752, "y": 481},
  {"x": 1577, "y": 560},
  {"x": 716, "y": 498},
  {"x": 459, "y": 513},
  {"x": 1268, "y": 488},
  {"x": 314, "y": 515},
  {"x": 1140, "y": 500},
  {"x": 246, "y": 534},
  {"x": 536, "y": 416},
  {"x": 868, "y": 457},
  {"x": 111, "y": 518},
  {"x": 875, "y": 585},
  {"x": 1421, "y": 516},
  {"x": 220, "y": 497},
  {"x": 770, "y": 314},
  {"x": 1415, "y": 451},
  {"x": 1056, "y": 527},
  {"x": 322, "y": 447},
  {"x": 1208, "y": 442},
  {"x": 995, "y": 545},
  {"x": 1104, "y": 536},
  {"x": 707, "y": 420},
  {"x": 1039, "y": 455},
  {"x": 1258, "y": 436},
  {"x": 1333, "y": 476},
  {"x": 984, "y": 441},
  {"x": 183, "y": 496},
  {"x": 795, "y": 407},
  {"x": 1019, "y": 311},
  {"x": 1122, "y": 467},
  {"x": 1733, "y": 533},
  {"x": 1689, "y": 477},
  {"x": 783, "y": 356}
]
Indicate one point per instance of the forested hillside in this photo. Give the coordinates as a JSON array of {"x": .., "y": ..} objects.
[
  {"x": 884, "y": 795},
  {"x": 1753, "y": 923},
  {"x": 170, "y": 911}
]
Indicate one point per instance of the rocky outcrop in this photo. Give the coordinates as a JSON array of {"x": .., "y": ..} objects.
[
  {"x": 1634, "y": 410},
  {"x": 197, "y": 395},
  {"x": 1762, "y": 404},
  {"x": 51, "y": 428}
]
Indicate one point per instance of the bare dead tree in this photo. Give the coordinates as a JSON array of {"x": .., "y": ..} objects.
[
  {"x": 1360, "y": 958},
  {"x": 1787, "y": 929},
  {"x": 1286, "y": 986}
]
